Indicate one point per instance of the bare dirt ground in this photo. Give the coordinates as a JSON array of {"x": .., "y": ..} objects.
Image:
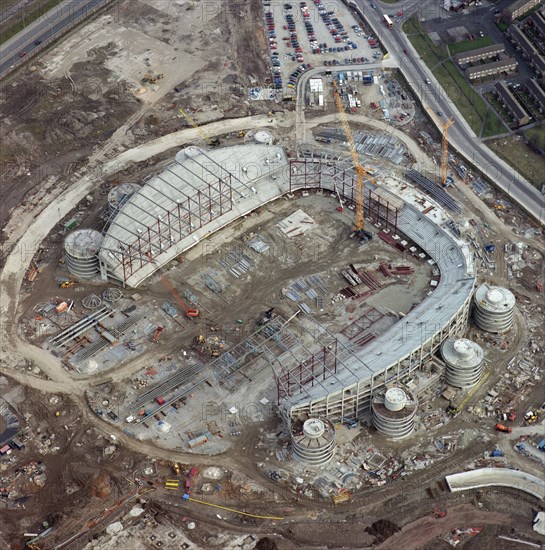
[
  {"x": 85, "y": 100},
  {"x": 58, "y": 110}
]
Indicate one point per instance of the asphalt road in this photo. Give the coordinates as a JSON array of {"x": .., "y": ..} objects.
[
  {"x": 461, "y": 136},
  {"x": 46, "y": 27}
]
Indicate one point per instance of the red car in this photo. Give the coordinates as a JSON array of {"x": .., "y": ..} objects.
[
  {"x": 22, "y": 54},
  {"x": 399, "y": 13}
]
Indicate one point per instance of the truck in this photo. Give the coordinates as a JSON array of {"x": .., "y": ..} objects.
[{"x": 502, "y": 428}]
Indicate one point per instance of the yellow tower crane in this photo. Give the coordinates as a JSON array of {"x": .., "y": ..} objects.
[
  {"x": 444, "y": 145},
  {"x": 211, "y": 142},
  {"x": 360, "y": 170},
  {"x": 444, "y": 151}
]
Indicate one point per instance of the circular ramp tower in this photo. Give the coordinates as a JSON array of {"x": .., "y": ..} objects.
[
  {"x": 314, "y": 443},
  {"x": 494, "y": 308},
  {"x": 464, "y": 362},
  {"x": 81, "y": 249},
  {"x": 394, "y": 412}
]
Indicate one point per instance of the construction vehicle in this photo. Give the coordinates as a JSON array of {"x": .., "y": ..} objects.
[
  {"x": 502, "y": 428},
  {"x": 201, "y": 343},
  {"x": 211, "y": 141},
  {"x": 157, "y": 334},
  {"x": 150, "y": 79},
  {"x": 266, "y": 317},
  {"x": 189, "y": 311},
  {"x": 341, "y": 497},
  {"x": 444, "y": 145},
  {"x": 499, "y": 206},
  {"x": 531, "y": 417},
  {"x": 438, "y": 513},
  {"x": 511, "y": 416},
  {"x": 176, "y": 468},
  {"x": 350, "y": 422},
  {"x": 67, "y": 284},
  {"x": 358, "y": 231},
  {"x": 241, "y": 133}
]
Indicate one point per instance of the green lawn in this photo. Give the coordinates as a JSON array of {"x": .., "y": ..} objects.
[
  {"x": 537, "y": 135},
  {"x": 472, "y": 106},
  {"x": 430, "y": 53},
  {"x": 467, "y": 45},
  {"x": 29, "y": 18},
  {"x": 517, "y": 154}
]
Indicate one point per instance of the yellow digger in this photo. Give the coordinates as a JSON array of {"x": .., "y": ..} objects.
[{"x": 67, "y": 284}]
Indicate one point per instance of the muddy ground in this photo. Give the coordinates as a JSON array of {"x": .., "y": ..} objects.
[{"x": 61, "y": 108}]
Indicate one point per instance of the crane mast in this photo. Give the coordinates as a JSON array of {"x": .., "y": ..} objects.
[
  {"x": 360, "y": 170},
  {"x": 444, "y": 151}
]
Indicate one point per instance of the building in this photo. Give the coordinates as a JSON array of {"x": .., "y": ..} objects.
[
  {"x": 472, "y": 56},
  {"x": 537, "y": 21},
  {"x": 518, "y": 8},
  {"x": 341, "y": 382},
  {"x": 506, "y": 65},
  {"x": 538, "y": 64},
  {"x": 530, "y": 53},
  {"x": 536, "y": 91},
  {"x": 521, "y": 41},
  {"x": 205, "y": 190},
  {"x": 511, "y": 103}
]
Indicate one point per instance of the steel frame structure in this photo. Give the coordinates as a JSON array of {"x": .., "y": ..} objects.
[
  {"x": 307, "y": 174},
  {"x": 188, "y": 215}
]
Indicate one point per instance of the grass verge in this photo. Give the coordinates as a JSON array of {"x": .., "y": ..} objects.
[
  {"x": 29, "y": 18},
  {"x": 472, "y": 106},
  {"x": 517, "y": 154},
  {"x": 537, "y": 136},
  {"x": 467, "y": 45}
]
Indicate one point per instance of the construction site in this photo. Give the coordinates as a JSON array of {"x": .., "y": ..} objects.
[{"x": 246, "y": 323}]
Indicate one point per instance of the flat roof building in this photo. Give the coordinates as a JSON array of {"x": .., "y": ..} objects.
[
  {"x": 518, "y": 8},
  {"x": 537, "y": 92},
  {"x": 480, "y": 53},
  {"x": 491, "y": 69},
  {"x": 511, "y": 103}
]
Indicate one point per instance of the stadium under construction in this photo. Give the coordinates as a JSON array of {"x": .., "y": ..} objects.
[{"x": 201, "y": 192}]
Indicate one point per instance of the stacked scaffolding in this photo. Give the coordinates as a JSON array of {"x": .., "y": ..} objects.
[
  {"x": 494, "y": 308},
  {"x": 81, "y": 249},
  {"x": 464, "y": 362},
  {"x": 393, "y": 413},
  {"x": 314, "y": 442}
]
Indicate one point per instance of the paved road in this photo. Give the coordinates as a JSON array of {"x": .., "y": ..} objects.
[
  {"x": 461, "y": 136},
  {"x": 51, "y": 24}
]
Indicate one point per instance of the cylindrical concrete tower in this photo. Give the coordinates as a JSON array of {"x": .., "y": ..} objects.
[
  {"x": 119, "y": 194},
  {"x": 315, "y": 443},
  {"x": 393, "y": 413},
  {"x": 464, "y": 362},
  {"x": 263, "y": 137},
  {"x": 81, "y": 253},
  {"x": 494, "y": 308}
]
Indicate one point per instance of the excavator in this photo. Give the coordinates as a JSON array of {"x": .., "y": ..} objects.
[
  {"x": 201, "y": 344},
  {"x": 67, "y": 284}
]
